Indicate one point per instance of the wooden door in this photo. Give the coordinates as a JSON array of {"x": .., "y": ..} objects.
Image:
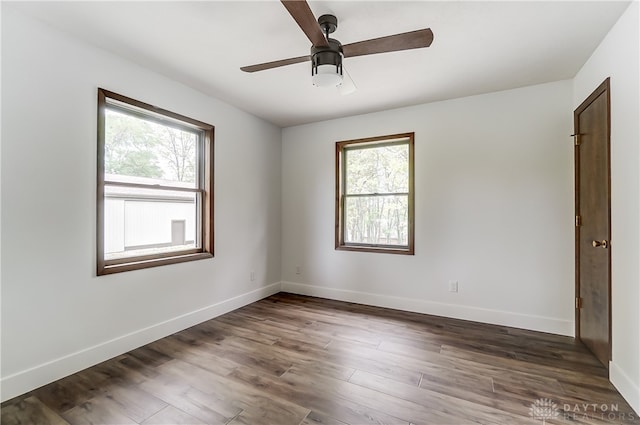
[{"x": 593, "y": 225}]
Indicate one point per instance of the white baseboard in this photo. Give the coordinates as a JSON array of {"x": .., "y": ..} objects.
[
  {"x": 627, "y": 388},
  {"x": 497, "y": 317},
  {"x": 32, "y": 378}
]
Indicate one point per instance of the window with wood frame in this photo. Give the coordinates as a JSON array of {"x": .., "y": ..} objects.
[
  {"x": 154, "y": 186},
  {"x": 375, "y": 194}
]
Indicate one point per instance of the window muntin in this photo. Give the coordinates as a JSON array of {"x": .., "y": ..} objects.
[
  {"x": 155, "y": 181},
  {"x": 374, "y": 202}
]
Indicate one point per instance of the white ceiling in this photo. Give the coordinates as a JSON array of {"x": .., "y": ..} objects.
[{"x": 478, "y": 47}]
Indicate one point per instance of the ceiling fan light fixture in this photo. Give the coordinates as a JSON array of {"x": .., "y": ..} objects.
[
  {"x": 326, "y": 64},
  {"x": 326, "y": 75}
]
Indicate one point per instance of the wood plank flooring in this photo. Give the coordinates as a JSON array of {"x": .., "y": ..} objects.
[{"x": 298, "y": 360}]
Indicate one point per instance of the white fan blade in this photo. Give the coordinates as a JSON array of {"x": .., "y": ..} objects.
[{"x": 347, "y": 86}]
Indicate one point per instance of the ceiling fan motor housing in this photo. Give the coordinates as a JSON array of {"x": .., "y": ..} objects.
[{"x": 326, "y": 63}]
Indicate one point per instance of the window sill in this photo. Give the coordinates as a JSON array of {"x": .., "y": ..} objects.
[
  {"x": 138, "y": 265},
  {"x": 380, "y": 250}
]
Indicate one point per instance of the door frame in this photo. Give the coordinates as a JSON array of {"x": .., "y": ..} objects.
[{"x": 603, "y": 88}]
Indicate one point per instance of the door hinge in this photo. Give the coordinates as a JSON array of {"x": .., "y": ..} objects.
[
  {"x": 578, "y": 220},
  {"x": 578, "y": 302},
  {"x": 576, "y": 139}
]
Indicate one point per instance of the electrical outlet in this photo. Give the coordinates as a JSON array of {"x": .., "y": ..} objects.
[
  {"x": 453, "y": 286},
  {"x": 252, "y": 276},
  {"x": 298, "y": 269}
]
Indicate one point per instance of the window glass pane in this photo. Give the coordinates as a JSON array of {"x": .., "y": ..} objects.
[
  {"x": 378, "y": 220},
  {"x": 143, "y": 151},
  {"x": 148, "y": 221},
  {"x": 382, "y": 169}
]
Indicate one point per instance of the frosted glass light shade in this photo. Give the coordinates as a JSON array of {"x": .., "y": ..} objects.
[{"x": 326, "y": 76}]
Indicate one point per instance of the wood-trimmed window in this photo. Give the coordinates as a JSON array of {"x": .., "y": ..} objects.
[
  {"x": 154, "y": 186},
  {"x": 375, "y": 194}
]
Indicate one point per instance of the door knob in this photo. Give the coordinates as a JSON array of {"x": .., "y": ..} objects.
[{"x": 602, "y": 244}]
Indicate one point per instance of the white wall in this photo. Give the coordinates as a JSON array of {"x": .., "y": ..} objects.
[
  {"x": 57, "y": 317},
  {"x": 618, "y": 57},
  {"x": 494, "y": 210}
]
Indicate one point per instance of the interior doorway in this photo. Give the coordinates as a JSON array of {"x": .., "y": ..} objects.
[{"x": 593, "y": 223}]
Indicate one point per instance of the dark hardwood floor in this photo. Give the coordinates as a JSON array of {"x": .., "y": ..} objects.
[{"x": 295, "y": 360}]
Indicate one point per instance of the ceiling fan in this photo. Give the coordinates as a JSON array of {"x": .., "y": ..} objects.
[{"x": 327, "y": 53}]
